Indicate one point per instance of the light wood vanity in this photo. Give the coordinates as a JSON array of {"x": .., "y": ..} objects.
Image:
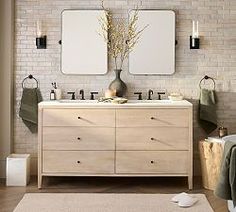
[{"x": 100, "y": 139}]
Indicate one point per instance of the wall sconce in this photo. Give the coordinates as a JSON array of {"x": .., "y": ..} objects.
[
  {"x": 41, "y": 40},
  {"x": 194, "y": 39}
]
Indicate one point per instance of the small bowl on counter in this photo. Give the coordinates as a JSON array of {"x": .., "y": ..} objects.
[{"x": 175, "y": 97}]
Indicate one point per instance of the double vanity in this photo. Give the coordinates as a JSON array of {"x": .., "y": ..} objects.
[{"x": 139, "y": 138}]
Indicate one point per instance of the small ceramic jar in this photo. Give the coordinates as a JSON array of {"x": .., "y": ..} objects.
[
  {"x": 58, "y": 93},
  {"x": 110, "y": 93},
  {"x": 222, "y": 132}
]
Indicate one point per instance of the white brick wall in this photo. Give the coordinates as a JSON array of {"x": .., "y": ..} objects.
[{"x": 217, "y": 19}]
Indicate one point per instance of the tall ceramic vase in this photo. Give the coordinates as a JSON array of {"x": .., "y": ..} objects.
[{"x": 118, "y": 85}]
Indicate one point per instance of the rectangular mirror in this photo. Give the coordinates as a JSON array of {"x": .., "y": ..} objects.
[
  {"x": 83, "y": 50},
  {"x": 155, "y": 50}
]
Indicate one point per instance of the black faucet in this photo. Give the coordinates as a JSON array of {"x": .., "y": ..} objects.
[
  {"x": 92, "y": 95},
  {"x": 159, "y": 94},
  {"x": 73, "y": 95},
  {"x": 139, "y": 95},
  {"x": 150, "y": 93},
  {"x": 81, "y": 92}
]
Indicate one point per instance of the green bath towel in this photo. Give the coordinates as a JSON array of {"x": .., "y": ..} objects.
[
  {"x": 29, "y": 107},
  {"x": 207, "y": 110},
  {"x": 226, "y": 188}
]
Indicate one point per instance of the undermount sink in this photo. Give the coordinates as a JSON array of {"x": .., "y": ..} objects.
[
  {"x": 164, "y": 101},
  {"x": 77, "y": 101}
]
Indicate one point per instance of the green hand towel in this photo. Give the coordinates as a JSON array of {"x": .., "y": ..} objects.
[
  {"x": 207, "y": 110},
  {"x": 226, "y": 187},
  {"x": 29, "y": 107}
]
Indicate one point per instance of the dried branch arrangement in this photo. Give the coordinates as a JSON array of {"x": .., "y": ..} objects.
[{"x": 120, "y": 37}]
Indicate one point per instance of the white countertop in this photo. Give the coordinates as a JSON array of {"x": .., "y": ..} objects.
[{"x": 129, "y": 104}]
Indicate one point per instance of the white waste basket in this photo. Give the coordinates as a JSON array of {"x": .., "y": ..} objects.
[{"x": 18, "y": 169}]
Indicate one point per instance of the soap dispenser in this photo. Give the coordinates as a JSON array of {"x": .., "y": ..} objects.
[{"x": 52, "y": 95}]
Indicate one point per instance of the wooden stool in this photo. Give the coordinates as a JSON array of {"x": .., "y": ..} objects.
[{"x": 210, "y": 156}]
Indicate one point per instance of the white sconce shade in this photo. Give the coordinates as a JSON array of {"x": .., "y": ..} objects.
[
  {"x": 41, "y": 40},
  {"x": 39, "y": 29},
  {"x": 194, "y": 38},
  {"x": 195, "y": 32}
]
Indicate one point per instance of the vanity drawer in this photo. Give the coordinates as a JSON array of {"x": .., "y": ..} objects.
[
  {"x": 78, "y": 138},
  {"x": 152, "y": 138},
  {"x": 144, "y": 162},
  {"x": 94, "y": 162},
  {"x": 79, "y": 117},
  {"x": 152, "y": 117}
]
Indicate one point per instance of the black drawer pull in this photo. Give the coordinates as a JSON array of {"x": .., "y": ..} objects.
[
  {"x": 152, "y": 161},
  {"x": 78, "y": 161},
  {"x": 79, "y": 117},
  {"x": 78, "y": 138},
  {"x": 152, "y": 118},
  {"x": 152, "y": 139}
]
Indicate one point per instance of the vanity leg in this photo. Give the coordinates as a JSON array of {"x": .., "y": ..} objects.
[
  {"x": 40, "y": 179},
  {"x": 190, "y": 182}
]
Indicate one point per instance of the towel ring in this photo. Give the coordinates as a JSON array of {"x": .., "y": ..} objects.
[
  {"x": 30, "y": 77},
  {"x": 206, "y": 78}
]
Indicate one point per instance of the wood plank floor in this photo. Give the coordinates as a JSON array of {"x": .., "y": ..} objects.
[{"x": 11, "y": 196}]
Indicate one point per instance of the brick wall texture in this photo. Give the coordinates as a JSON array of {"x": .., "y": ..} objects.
[{"x": 216, "y": 58}]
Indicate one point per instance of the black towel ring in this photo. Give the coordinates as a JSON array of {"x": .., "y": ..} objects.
[
  {"x": 30, "y": 77},
  {"x": 206, "y": 78}
]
